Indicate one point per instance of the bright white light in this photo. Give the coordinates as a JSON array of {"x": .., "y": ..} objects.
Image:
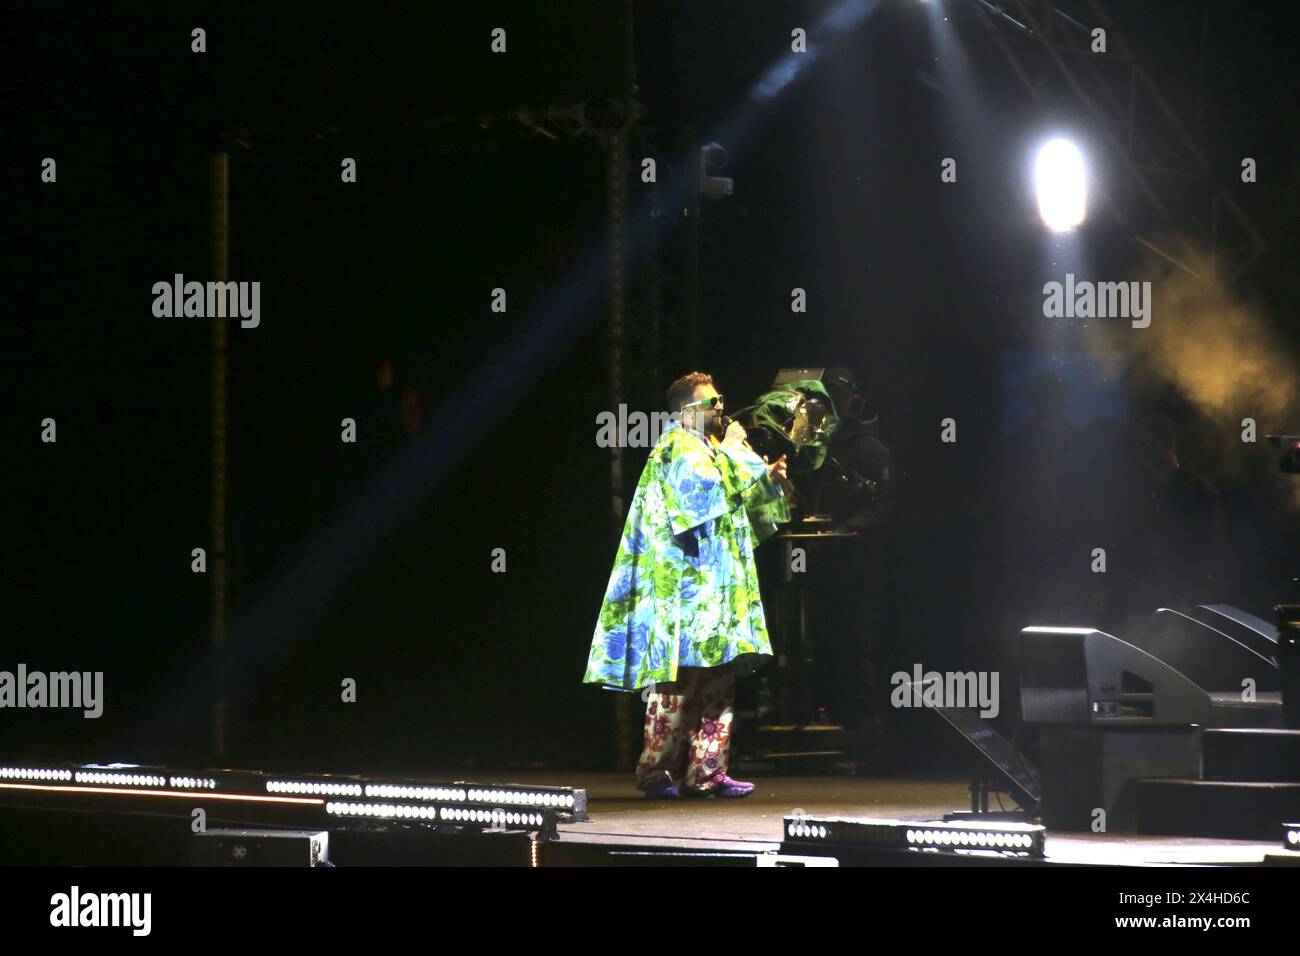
[{"x": 1061, "y": 185}]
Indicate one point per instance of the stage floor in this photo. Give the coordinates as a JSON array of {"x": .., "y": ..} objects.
[{"x": 620, "y": 816}]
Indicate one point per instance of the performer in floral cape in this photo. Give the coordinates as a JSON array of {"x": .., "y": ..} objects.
[{"x": 682, "y": 608}]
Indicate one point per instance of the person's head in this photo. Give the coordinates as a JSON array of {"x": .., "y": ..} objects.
[
  {"x": 696, "y": 400},
  {"x": 842, "y": 386}
]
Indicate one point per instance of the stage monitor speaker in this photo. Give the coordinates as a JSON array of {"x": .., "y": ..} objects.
[
  {"x": 1109, "y": 714},
  {"x": 1244, "y": 628},
  {"x": 1214, "y": 659},
  {"x": 1082, "y": 676}
]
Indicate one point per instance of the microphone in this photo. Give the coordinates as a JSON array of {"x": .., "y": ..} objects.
[{"x": 726, "y": 423}]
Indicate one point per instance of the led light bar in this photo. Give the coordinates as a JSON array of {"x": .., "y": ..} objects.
[
  {"x": 496, "y": 818},
  {"x": 314, "y": 787},
  {"x": 115, "y": 775},
  {"x": 564, "y": 799},
  {"x": 33, "y": 773},
  {"x": 567, "y": 801},
  {"x": 398, "y": 792},
  {"x": 119, "y": 779},
  {"x": 1011, "y": 839},
  {"x": 457, "y": 803}
]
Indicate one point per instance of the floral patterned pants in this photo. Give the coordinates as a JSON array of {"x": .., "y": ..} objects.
[{"x": 688, "y": 728}]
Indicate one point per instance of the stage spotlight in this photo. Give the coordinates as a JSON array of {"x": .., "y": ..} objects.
[
  {"x": 713, "y": 159},
  {"x": 1061, "y": 185}
]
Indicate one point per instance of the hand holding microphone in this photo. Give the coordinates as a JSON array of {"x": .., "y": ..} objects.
[
  {"x": 735, "y": 432},
  {"x": 735, "y": 435}
]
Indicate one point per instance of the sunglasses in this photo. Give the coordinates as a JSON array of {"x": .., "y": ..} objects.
[{"x": 714, "y": 402}]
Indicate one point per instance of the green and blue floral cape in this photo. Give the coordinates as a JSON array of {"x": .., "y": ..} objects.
[{"x": 684, "y": 589}]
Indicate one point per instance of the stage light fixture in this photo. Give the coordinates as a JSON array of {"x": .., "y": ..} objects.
[
  {"x": 485, "y": 806},
  {"x": 391, "y": 792},
  {"x": 559, "y": 798},
  {"x": 496, "y": 818},
  {"x": 713, "y": 158},
  {"x": 1015, "y": 839},
  {"x": 314, "y": 787},
  {"x": 34, "y": 773},
  {"x": 1060, "y": 182},
  {"x": 119, "y": 779}
]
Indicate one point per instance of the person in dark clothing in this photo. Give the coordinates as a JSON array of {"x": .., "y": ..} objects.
[
  {"x": 858, "y": 484},
  {"x": 857, "y": 490}
]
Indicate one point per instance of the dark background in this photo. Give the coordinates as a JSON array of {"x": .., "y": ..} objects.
[{"x": 372, "y": 560}]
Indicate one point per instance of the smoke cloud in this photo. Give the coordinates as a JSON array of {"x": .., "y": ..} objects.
[{"x": 1221, "y": 352}]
